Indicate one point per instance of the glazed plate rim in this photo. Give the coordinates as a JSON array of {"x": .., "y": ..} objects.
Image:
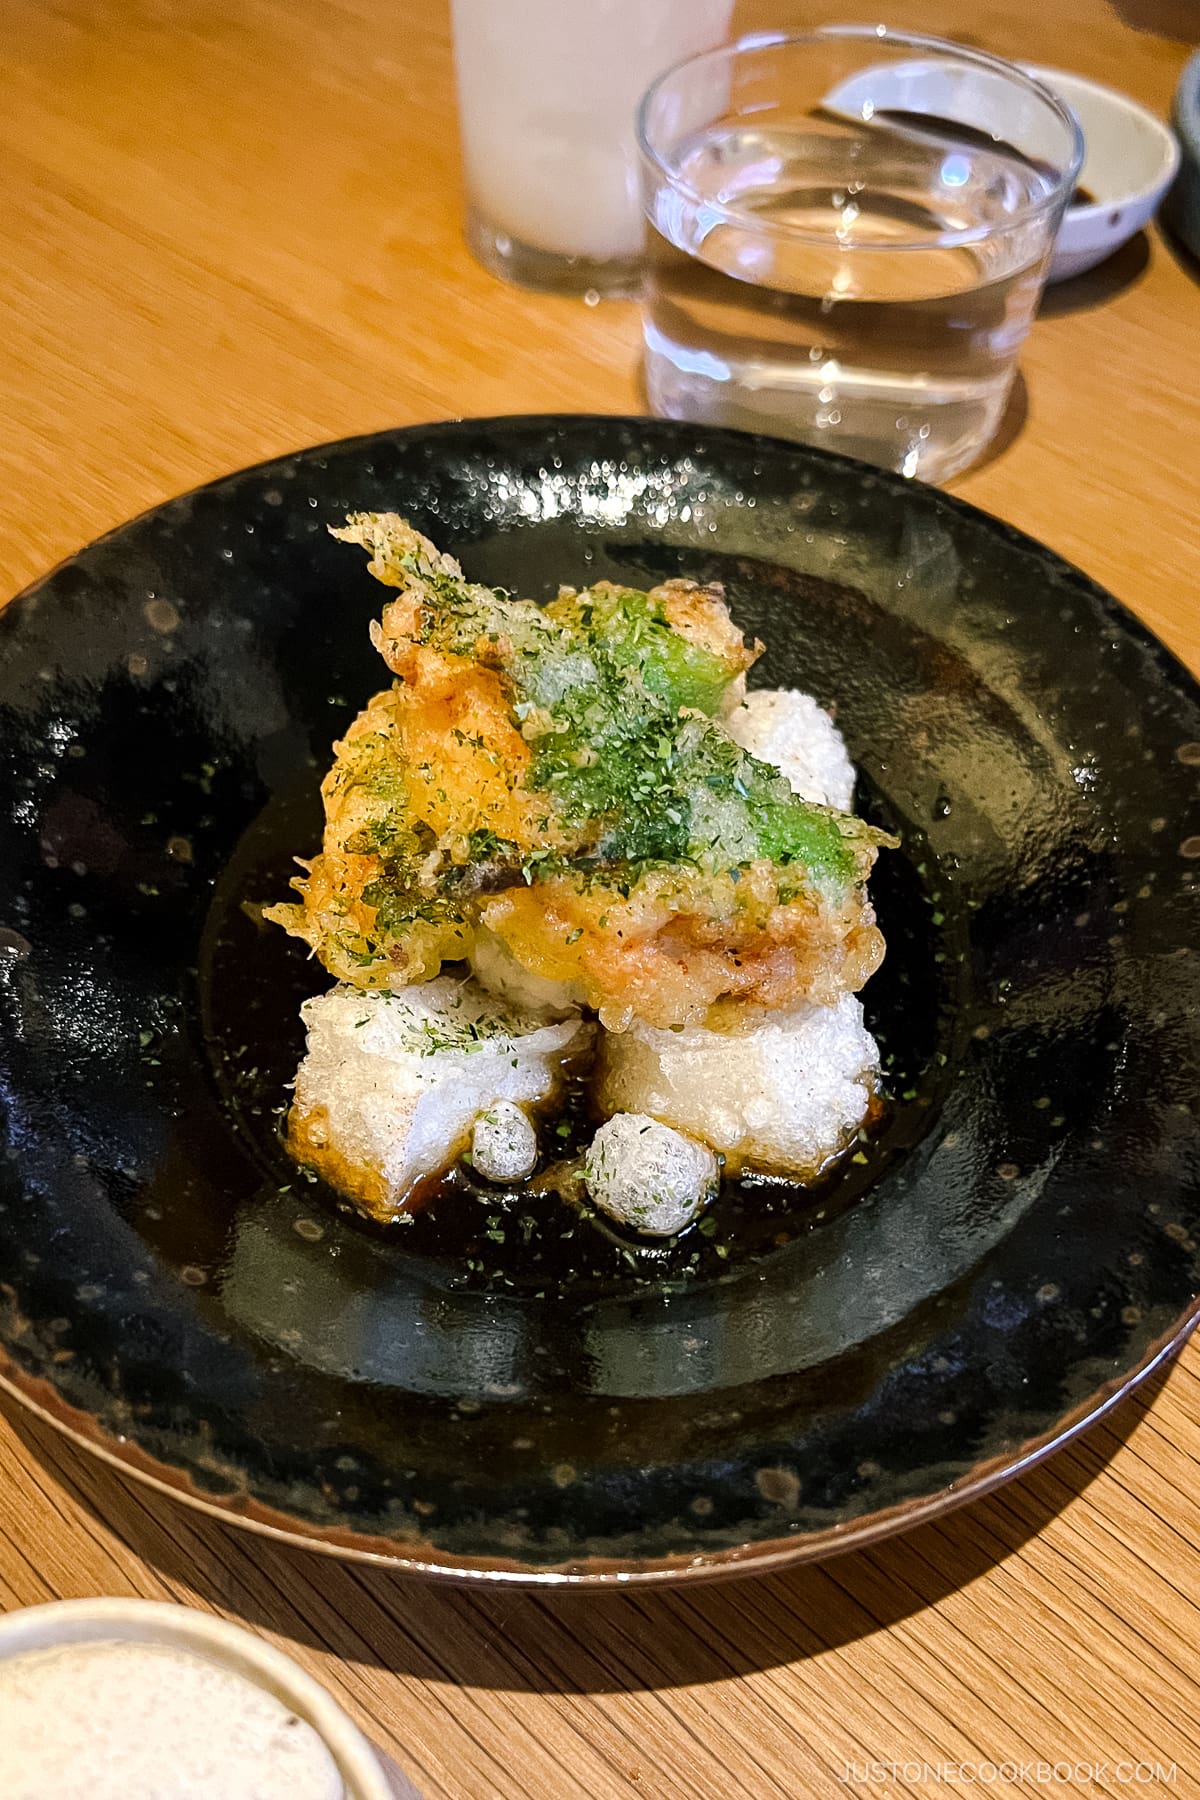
[{"x": 765, "y": 1556}]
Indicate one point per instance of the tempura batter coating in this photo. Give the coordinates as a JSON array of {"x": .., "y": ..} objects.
[{"x": 559, "y": 774}]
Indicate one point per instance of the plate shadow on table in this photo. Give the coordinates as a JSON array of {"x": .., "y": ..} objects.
[
  {"x": 1096, "y": 287},
  {"x": 1161, "y": 18},
  {"x": 577, "y": 1641}
]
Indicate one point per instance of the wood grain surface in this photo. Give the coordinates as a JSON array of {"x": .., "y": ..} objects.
[{"x": 231, "y": 227}]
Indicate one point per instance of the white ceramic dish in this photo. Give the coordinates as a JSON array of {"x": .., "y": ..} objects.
[
  {"x": 151, "y": 1622},
  {"x": 1130, "y": 157},
  {"x": 1130, "y": 160}
]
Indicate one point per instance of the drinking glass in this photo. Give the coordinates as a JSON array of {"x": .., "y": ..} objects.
[
  {"x": 547, "y": 91},
  {"x": 850, "y": 230}
]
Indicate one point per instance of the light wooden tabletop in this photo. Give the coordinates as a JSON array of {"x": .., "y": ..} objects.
[{"x": 231, "y": 227}]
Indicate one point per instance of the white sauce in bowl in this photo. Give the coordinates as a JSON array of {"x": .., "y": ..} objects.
[{"x": 106, "y": 1721}]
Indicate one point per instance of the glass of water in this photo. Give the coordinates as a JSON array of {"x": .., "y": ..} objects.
[{"x": 850, "y": 232}]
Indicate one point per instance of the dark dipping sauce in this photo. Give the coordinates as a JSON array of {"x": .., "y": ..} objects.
[
  {"x": 972, "y": 139},
  {"x": 531, "y": 1239}
]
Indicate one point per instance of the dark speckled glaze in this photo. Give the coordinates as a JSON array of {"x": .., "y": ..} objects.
[{"x": 1014, "y": 1245}]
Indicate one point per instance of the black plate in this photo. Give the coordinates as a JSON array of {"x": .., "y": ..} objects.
[{"x": 1013, "y": 1248}]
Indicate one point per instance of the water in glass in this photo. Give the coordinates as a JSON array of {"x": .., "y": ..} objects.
[{"x": 866, "y": 290}]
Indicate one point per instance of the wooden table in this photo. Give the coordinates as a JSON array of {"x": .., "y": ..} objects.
[{"x": 232, "y": 227}]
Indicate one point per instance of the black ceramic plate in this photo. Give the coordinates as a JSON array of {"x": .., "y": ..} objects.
[{"x": 470, "y": 1394}]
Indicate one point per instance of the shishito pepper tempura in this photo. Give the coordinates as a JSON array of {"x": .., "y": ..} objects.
[{"x": 558, "y": 797}]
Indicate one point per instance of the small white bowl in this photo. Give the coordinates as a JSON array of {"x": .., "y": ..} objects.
[
  {"x": 67, "y": 1622},
  {"x": 1130, "y": 160}
]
